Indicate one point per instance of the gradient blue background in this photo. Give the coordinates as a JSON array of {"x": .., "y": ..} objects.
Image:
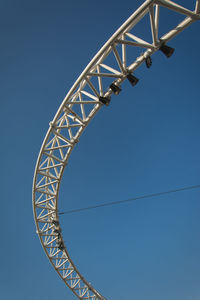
[{"x": 146, "y": 141}]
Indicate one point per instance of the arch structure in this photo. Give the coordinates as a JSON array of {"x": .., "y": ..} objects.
[{"x": 89, "y": 93}]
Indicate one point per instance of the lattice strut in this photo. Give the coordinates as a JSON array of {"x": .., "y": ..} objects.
[{"x": 89, "y": 93}]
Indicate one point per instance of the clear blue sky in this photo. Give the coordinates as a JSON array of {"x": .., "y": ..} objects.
[{"x": 146, "y": 141}]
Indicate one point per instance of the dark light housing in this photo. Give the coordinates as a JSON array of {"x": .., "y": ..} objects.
[
  {"x": 61, "y": 246},
  {"x": 132, "y": 79},
  {"x": 148, "y": 61},
  {"x": 116, "y": 89},
  {"x": 166, "y": 50},
  {"x": 55, "y": 222},
  {"x": 104, "y": 100}
]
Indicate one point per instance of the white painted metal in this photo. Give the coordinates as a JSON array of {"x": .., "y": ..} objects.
[{"x": 76, "y": 111}]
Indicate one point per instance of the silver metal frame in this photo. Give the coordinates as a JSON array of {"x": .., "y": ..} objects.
[{"x": 76, "y": 111}]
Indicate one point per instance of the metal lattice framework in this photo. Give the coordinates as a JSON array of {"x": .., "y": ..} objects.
[{"x": 89, "y": 93}]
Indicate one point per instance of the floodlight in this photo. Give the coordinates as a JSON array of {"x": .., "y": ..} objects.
[
  {"x": 116, "y": 89},
  {"x": 104, "y": 100},
  {"x": 132, "y": 79},
  {"x": 148, "y": 61},
  {"x": 55, "y": 222},
  {"x": 168, "y": 51},
  {"x": 61, "y": 245}
]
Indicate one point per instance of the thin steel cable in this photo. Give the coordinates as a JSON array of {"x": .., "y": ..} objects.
[{"x": 131, "y": 199}]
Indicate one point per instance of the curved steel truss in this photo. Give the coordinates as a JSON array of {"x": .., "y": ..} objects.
[{"x": 102, "y": 77}]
